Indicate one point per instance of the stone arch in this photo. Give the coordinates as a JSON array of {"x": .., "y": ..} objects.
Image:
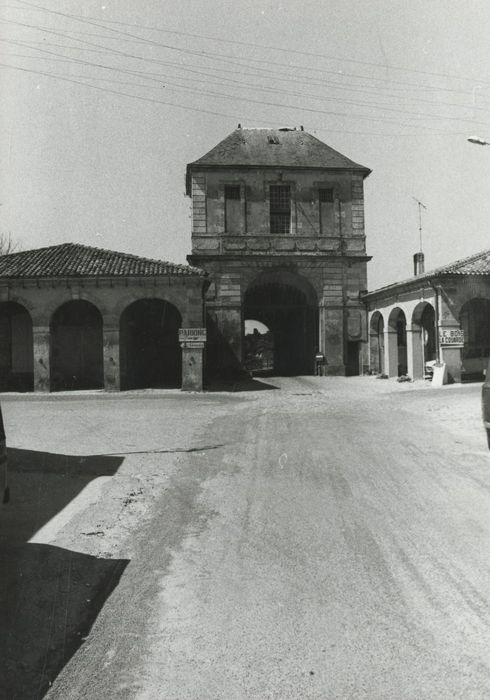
[
  {"x": 424, "y": 339},
  {"x": 64, "y": 297},
  {"x": 397, "y": 343},
  {"x": 288, "y": 305},
  {"x": 16, "y": 347},
  {"x": 76, "y": 349},
  {"x": 150, "y": 352},
  {"x": 377, "y": 343},
  {"x": 474, "y": 319}
]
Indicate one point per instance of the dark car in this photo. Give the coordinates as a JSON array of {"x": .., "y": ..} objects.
[{"x": 485, "y": 402}]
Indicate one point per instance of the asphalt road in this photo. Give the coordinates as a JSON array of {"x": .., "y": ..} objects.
[{"x": 328, "y": 539}]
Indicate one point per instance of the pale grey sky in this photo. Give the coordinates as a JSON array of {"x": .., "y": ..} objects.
[{"x": 397, "y": 86}]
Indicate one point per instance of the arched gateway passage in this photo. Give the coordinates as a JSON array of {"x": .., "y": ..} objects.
[
  {"x": 149, "y": 345},
  {"x": 290, "y": 311},
  {"x": 16, "y": 353},
  {"x": 76, "y": 347}
]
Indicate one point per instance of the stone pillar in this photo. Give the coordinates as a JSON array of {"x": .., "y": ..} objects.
[
  {"x": 374, "y": 363},
  {"x": 391, "y": 352},
  {"x": 224, "y": 349},
  {"x": 41, "y": 347},
  {"x": 192, "y": 366},
  {"x": 112, "y": 372},
  {"x": 333, "y": 340},
  {"x": 192, "y": 342},
  {"x": 415, "y": 354}
]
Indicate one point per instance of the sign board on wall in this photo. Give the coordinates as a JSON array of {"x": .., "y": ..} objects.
[
  {"x": 451, "y": 336},
  {"x": 192, "y": 335}
]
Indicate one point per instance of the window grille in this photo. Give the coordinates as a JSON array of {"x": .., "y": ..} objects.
[
  {"x": 325, "y": 195},
  {"x": 280, "y": 208},
  {"x": 232, "y": 191}
]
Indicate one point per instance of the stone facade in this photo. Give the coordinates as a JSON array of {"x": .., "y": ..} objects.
[
  {"x": 439, "y": 315},
  {"x": 322, "y": 254},
  {"x": 78, "y": 331}
]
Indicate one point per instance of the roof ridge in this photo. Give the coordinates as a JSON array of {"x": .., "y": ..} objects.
[
  {"x": 83, "y": 246},
  {"x": 461, "y": 261},
  {"x": 78, "y": 259}
]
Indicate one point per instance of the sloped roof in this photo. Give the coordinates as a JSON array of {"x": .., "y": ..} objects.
[
  {"x": 284, "y": 148},
  {"x": 75, "y": 260},
  {"x": 476, "y": 264}
]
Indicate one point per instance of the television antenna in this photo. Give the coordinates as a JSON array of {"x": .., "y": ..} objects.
[{"x": 421, "y": 206}]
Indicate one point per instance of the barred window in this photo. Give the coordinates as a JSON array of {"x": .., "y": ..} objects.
[
  {"x": 232, "y": 191},
  {"x": 280, "y": 208},
  {"x": 325, "y": 195}
]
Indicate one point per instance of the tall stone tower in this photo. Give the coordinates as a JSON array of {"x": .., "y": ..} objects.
[{"x": 278, "y": 223}]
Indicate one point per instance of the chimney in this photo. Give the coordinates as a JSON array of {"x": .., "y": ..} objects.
[{"x": 418, "y": 264}]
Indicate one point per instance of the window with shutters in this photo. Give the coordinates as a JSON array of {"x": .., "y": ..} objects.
[
  {"x": 233, "y": 209},
  {"x": 326, "y": 210},
  {"x": 280, "y": 208}
]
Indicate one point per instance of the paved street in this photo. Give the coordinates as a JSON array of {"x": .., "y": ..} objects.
[{"x": 319, "y": 538}]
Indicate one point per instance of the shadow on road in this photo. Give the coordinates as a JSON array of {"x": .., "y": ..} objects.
[{"x": 49, "y": 596}]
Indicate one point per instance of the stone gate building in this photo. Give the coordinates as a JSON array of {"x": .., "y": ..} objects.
[{"x": 278, "y": 224}]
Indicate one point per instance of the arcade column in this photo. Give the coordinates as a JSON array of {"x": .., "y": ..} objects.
[
  {"x": 192, "y": 342},
  {"x": 41, "y": 347},
  {"x": 415, "y": 353},
  {"x": 112, "y": 373}
]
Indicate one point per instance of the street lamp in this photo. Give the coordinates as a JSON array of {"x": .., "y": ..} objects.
[{"x": 478, "y": 141}]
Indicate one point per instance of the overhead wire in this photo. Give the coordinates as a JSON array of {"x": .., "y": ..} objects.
[
  {"x": 215, "y": 56},
  {"x": 168, "y": 81},
  {"x": 157, "y": 61},
  {"x": 90, "y": 20}
]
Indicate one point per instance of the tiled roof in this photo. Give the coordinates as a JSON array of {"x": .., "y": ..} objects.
[
  {"x": 476, "y": 264},
  {"x": 276, "y": 148},
  {"x": 75, "y": 260}
]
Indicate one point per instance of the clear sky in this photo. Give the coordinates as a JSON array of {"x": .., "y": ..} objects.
[{"x": 104, "y": 103}]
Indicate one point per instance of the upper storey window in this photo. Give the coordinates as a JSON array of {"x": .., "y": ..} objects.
[
  {"x": 280, "y": 208},
  {"x": 326, "y": 204},
  {"x": 233, "y": 209}
]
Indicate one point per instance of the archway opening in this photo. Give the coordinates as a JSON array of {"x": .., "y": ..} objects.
[
  {"x": 397, "y": 343},
  {"x": 424, "y": 344},
  {"x": 16, "y": 350},
  {"x": 76, "y": 347},
  {"x": 377, "y": 343},
  {"x": 292, "y": 318},
  {"x": 258, "y": 348},
  {"x": 150, "y": 352},
  {"x": 475, "y": 322}
]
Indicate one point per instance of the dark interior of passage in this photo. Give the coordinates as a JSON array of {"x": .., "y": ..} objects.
[
  {"x": 76, "y": 347},
  {"x": 149, "y": 345},
  {"x": 293, "y": 323}
]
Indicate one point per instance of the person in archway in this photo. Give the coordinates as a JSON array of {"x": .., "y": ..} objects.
[{"x": 320, "y": 362}]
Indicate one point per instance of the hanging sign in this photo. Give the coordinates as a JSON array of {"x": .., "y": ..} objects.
[{"x": 451, "y": 336}]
